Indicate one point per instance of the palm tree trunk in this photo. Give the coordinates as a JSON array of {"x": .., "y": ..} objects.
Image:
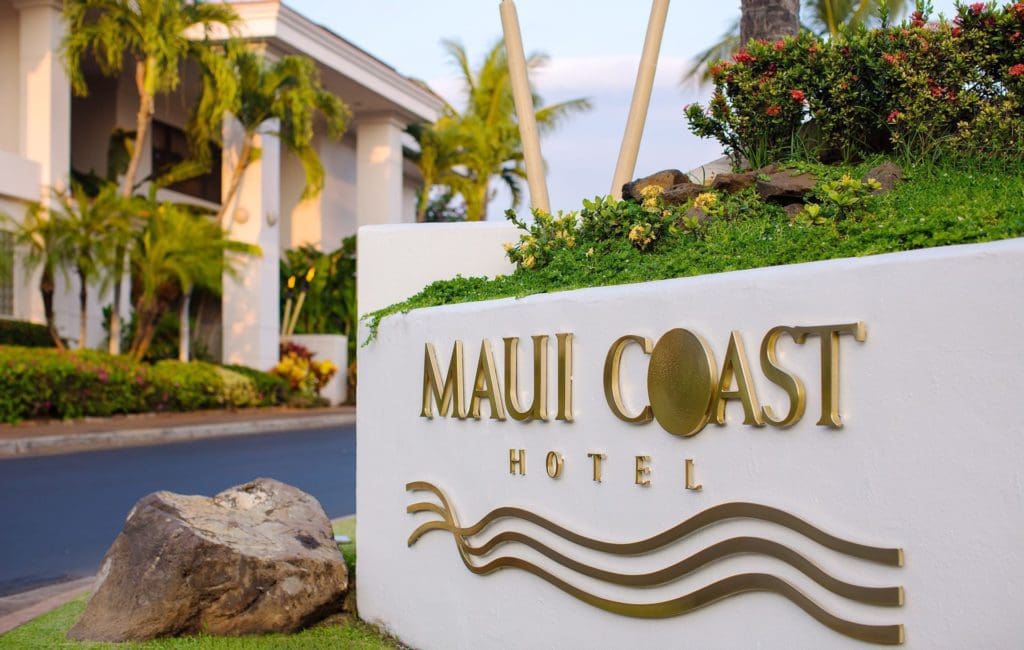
[
  {"x": 226, "y": 206},
  {"x": 184, "y": 334},
  {"x": 142, "y": 121},
  {"x": 146, "y": 318},
  {"x": 476, "y": 203},
  {"x": 83, "y": 308},
  {"x": 769, "y": 19},
  {"x": 46, "y": 288}
]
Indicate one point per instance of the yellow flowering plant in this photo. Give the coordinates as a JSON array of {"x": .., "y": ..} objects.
[{"x": 303, "y": 374}]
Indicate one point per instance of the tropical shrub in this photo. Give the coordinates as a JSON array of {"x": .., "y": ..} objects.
[
  {"x": 25, "y": 334},
  {"x": 62, "y": 384},
  {"x": 271, "y": 390},
  {"x": 303, "y": 374},
  {"x": 917, "y": 89},
  {"x": 50, "y": 383},
  {"x": 330, "y": 303}
]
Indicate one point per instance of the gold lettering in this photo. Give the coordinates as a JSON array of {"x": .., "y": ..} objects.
[
  {"x": 690, "y": 485},
  {"x": 788, "y": 382},
  {"x": 643, "y": 471},
  {"x": 682, "y": 382},
  {"x": 539, "y": 409},
  {"x": 486, "y": 386},
  {"x": 596, "y": 459},
  {"x": 612, "y": 390},
  {"x": 735, "y": 366},
  {"x": 517, "y": 461},
  {"x": 564, "y": 377},
  {"x": 829, "y": 335},
  {"x": 554, "y": 463},
  {"x": 453, "y": 386}
]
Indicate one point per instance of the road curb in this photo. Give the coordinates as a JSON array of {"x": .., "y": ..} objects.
[
  {"x": 63, "y": 443},
  {"x": 36, "y": 607}
]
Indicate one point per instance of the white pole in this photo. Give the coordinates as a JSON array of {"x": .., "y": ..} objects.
[
  {"x": 524, "y": 107},
  {"x": 641, "y": 98}
]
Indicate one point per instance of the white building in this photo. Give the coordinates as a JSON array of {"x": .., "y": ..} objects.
[{"x": 45, "y": 133}]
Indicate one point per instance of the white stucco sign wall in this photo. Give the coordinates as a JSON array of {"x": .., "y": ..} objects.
[{"x": 902, "y": 526}]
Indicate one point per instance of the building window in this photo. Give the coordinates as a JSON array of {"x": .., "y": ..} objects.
[
  {"x": 170, "y": 147},
  {"x": 6, "y": 273}
]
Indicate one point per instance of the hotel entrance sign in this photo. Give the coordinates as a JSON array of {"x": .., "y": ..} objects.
[{"x": 769, "y": 456}]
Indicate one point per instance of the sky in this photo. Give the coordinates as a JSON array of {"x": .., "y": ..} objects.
[{"x": 594, "y": 49}]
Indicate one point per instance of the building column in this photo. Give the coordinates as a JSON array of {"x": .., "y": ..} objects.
[
  {"x": 379, "y": 170},
  {"x": 250, "y": 304},
  {"x": 44, "y": 109}
]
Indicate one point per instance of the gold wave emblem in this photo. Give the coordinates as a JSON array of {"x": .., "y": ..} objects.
[{"x": 720, "y": 590}]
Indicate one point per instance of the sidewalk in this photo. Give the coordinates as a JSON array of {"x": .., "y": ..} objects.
[{"x": 58, "y": 437}]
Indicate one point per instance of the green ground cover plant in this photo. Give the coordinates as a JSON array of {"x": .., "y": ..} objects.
[
  {"x": 937, "y": 205},
  {"x": 36, "y": 382}
]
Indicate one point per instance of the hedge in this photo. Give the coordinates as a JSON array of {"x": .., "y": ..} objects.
[
  {"x": 49, "y": 383},
  {"x": 29, "y": 335}
]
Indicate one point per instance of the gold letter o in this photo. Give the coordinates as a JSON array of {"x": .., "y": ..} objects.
[{"x": 681, "y": 381}]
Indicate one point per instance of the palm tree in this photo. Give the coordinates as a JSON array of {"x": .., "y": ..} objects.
[
  {"x": 438, "y": 155},
  {"x": 823, "y": 17},
  {"x": 287, "y": 90},
  {"x": 175, "y": 252},
  {"x": 95, "y": 227},
  {"x": 156, "y": 37},
  {"x": 42, "y": 238},
  {"x": 483, "y": 140}
]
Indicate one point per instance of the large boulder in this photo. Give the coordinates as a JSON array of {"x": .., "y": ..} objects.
[
  {"x": 681, "y": 193},
  {"x": 256, "y": 558},
  {"x": 663, "y": 179}
]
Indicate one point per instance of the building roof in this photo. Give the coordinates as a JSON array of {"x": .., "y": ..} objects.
[{"x": 367, "y": 84}]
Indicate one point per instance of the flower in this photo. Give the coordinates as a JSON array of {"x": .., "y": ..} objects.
[
  {"x": 1014, "y": 37},
  {"x": 917, "y": 19},
  {"x": 529, "y": 262},
  {"x": 893, "y": 116},
  {"x": 774, "y": 109},
  {"x": 742, "y": 57},
  {"x": 891, "y": 59},
  {"x": 1017, "y": 70},
  {"x": 507, "y": 246},
  {"x": 590, "y": 252},
  {"x": 798, "y": 96},
  {"x": 1018, "y": 9},
  {"x": 705, "y": 200},
  {"x": 956, "y": 31},
  {"x": 779, "y": 45},
  {"x": 977, "y": 8}
]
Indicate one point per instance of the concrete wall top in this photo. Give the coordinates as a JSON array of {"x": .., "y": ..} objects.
[{"x": 397, "y": 261}]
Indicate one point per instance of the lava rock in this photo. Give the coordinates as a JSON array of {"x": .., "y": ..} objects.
[
  {"x": 733, "y": 182},
  {"x": 663, "y": 179},
  {"x": 889, "y": 174},
  {"x": 681, "y": 193},
  {"x": 254, "y": 559},
  {"x": 793, "y": 209},
  {"x": 785, "y": 186}
]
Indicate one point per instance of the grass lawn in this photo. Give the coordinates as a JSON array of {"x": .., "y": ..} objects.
[{"x": 49, "y": 630}]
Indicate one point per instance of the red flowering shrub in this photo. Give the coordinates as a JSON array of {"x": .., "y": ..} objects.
[{"x": 909, "y": 88}]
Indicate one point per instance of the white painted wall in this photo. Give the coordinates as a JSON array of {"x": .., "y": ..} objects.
[
  {"x": 931, "y": 458},
  {"x": 396, "y": 262},
  {"x": 9, "y": 52}
]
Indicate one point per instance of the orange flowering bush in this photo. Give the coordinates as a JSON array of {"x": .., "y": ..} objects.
[
  {"x": 911, "y": 88},
  {"x": 303, "y": 374}
]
